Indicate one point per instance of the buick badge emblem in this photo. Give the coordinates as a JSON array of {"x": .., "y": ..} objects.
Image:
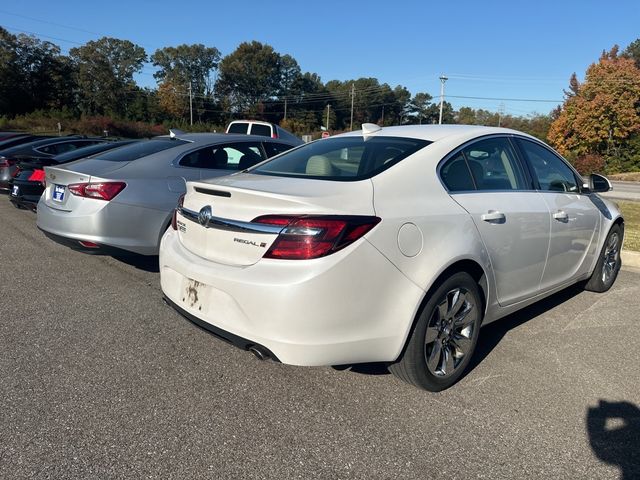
[{"x": 204, "y": 216}]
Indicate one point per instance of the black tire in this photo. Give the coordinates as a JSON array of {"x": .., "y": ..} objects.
[
  {"x": 425, "y": 362},
  {"x": 609, "y": 262}
]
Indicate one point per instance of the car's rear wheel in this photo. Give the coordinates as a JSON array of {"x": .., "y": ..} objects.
[
  {"x": 444, "y": 336},
  {"x": 608, "y": 264}
]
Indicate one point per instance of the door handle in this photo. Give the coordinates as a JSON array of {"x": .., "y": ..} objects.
[
  {"x": 561, "y": 216},
  {"x": 493, "y": 216}
]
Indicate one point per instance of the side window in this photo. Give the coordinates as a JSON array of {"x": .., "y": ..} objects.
[
  {"x": 552, "y": 173},
  {"x": 49, "y": 150},
  {"x": 237, "y": 156},
  {"x": 238, "y": 128},
  {"x": 274, "y": 149},
  {"x": 259, "y": 129},
  {"x": 493, "y": 165},
  {"x": 456, "y": 176}
]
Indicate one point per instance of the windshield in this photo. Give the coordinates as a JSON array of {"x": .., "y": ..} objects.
[
  {"x": 139, "y": 149},
  {"x": 342, "y": 158}
]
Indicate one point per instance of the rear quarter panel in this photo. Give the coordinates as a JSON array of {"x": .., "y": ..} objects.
[{"x": 410, "y": 193}]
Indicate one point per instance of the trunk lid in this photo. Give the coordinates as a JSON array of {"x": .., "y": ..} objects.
[
  {"x": 239, "y": 199},
  {"x": 94, "y": 166},
  {"x": 56, "y": 194}
]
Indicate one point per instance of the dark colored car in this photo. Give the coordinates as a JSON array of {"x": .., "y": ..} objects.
[
  {"x": 5, "y": 135},
  {"x": 40, "y": 148},
  {"x": 6, "y": 165},
  {"x": 28, "y": 180}
]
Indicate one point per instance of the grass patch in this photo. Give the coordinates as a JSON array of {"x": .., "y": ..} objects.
[
  {"x": 631, "y": 214},
  {"x": 625, "y": 177}
]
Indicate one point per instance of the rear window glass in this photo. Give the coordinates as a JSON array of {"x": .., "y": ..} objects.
[
  {"x": 87, "y": 151},
  {"x": 238, "y": 128},
  {"x": 263, "y": 130},
  {"x": 139, "y": 150},
  {"x": 346, "y": 158}
]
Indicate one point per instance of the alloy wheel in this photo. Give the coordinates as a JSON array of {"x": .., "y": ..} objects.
[
  {"x": 610, "y": 259},
  {"x": 448, "y": 338}
]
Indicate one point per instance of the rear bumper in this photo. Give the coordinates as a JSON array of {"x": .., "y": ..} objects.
[
  {"x": 74, "y": 244},
  {"x": 124, "y": 228},
  {"x": 24, "y": 202},
  {"x": 228, "y": 337},
  {"x": 351, "y": 307}
]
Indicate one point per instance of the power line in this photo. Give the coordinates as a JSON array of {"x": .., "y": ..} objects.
[
  {"x": 506, "y": 99},
  {"x": 63, "y": 26}
]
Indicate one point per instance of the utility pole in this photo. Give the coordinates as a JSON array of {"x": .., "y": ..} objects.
[
  {"x": 285, "y": 108},
  {"x": 442, "y": 80},
  {"x": 500, "y": 114},
  {"x": 353, "y": 95},
  {"x": 382, "y": 116},
  {"x": 190, "y": 104},
  {"x": 328, "y": 109}
]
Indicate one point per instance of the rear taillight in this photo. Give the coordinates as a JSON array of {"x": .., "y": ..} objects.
[
  {"x": 174, "y": 220},
  {"x": 99, "y": 190},
  {"x": 37, "y": 176},
  {"x": 304, "y": 238},
  {"x": 17, "y": 172}
]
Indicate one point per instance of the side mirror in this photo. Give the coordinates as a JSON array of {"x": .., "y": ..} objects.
[{"x": 599, "y": 183}]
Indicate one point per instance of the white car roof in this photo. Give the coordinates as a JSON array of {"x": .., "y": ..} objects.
[{"x": 433, "y": 133}]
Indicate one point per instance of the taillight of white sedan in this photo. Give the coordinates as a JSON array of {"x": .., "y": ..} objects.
[{"x": 387, "y": 245}]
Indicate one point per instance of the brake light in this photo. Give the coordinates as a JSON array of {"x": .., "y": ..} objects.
[
  {"x": 37, "y": 175},
  {"x": 174, "y": 219},
  {"x": 304, "y": 238},
  {"x": 100, "y": 190}
]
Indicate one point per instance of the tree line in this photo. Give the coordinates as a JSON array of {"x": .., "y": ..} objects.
[{"x": 598, "y": 125}]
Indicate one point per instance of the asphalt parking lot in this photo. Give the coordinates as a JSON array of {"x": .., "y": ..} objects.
[{"x": 99, "y": 379}]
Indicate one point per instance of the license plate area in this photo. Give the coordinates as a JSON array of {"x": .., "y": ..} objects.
[
  {"x": 15, "y": 191},
  {"x": 194, "y": 294},
  {"x": 57, "y": 194}
]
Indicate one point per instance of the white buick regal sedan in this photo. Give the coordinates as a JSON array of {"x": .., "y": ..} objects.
[{"x": 390, "y": 244}]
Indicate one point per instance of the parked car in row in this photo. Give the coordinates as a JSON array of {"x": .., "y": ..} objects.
[
  {"x": 28, "y": 180},
  {"x": 7, "y": 164},
  {"x": 121, "y": 201},
  {"x": 38, "y": 148},
  {"x": 264, "y": 129},
  {"x": 386, "y": 245}
]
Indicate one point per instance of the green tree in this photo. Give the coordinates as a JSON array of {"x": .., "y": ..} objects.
[
  {"x": 420, "y": 110},
  {"x": 33, "y": 75},
  {"x": 104, "y": 72},
  {"x": 633, "y": 52},
  {"x": 183, "y": 66},
  {"x": 248, "y": 76}
]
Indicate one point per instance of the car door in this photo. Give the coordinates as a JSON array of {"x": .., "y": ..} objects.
[
  {"x": 575, "y": 219},
  {"x": 488, "y": 181}
]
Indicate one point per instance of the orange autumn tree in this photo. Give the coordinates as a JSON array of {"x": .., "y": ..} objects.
[
  {"x": 602, "y": 114},
  {"x": 172, "y": 99}
]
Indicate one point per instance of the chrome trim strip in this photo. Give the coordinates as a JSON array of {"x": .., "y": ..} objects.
[{"x": 232, "y": 225}]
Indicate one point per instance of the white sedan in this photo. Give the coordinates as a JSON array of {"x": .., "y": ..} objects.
[{"x": 388, "y": 245}]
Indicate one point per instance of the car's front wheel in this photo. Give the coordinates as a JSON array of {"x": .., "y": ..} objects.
[
  {"x": 444, "y": 336},
  {"x": 608, "y": 264}
]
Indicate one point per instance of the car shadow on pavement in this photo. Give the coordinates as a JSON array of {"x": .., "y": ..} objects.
[
  {"x": 141, "y": 262},
  {"x": 492, "y": 334},
  {"x": 614, "y": 435}
]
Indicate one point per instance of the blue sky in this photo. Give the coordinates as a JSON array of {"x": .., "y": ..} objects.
[{"x": 496, "y": 49}]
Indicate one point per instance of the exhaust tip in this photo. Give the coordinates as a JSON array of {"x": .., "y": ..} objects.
[{"x": 259, "y": 352}]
